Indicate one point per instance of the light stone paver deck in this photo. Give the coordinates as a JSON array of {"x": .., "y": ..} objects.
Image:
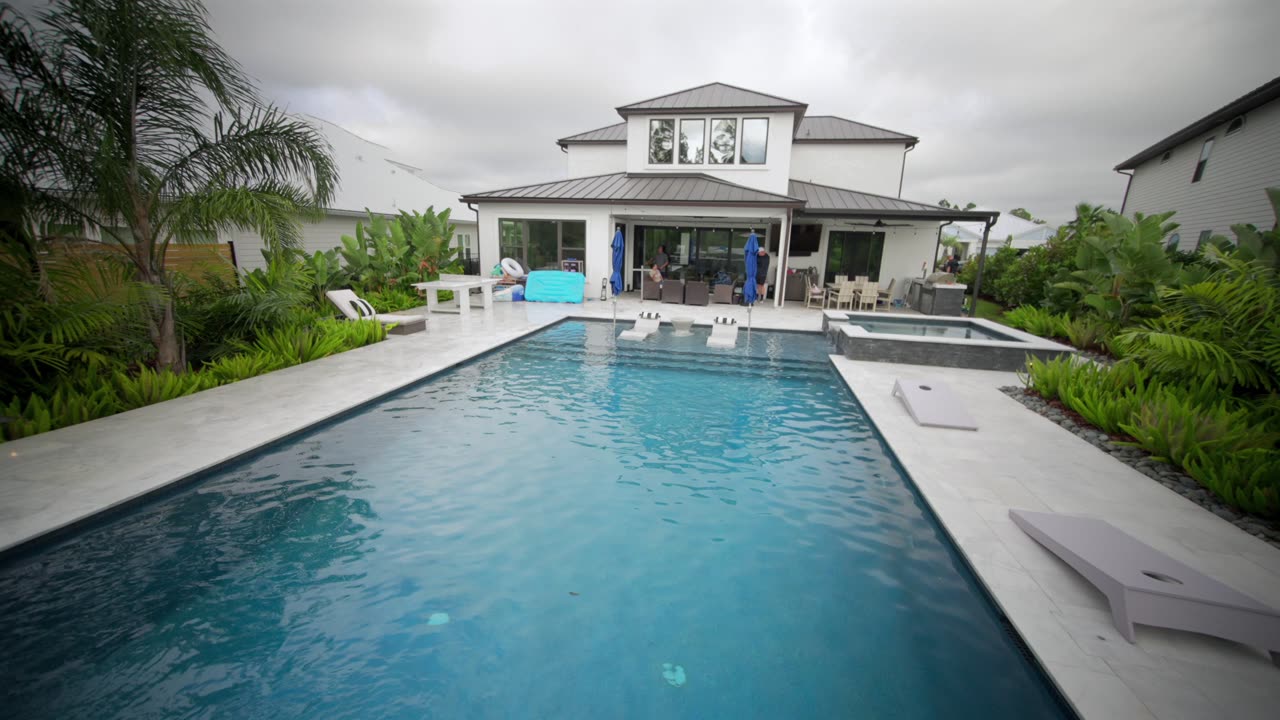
[{"x": 1018, "y": 459}]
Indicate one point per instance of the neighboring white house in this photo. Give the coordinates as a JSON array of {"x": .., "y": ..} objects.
[
  {"x": 699, "y": 170},
  {"x": 1212, "y": 172},
  {"x": 369, "y": 177},
  {"x": 1018, "y": 233}
]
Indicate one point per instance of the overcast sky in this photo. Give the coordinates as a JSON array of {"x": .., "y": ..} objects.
[{"x": 1016, "y": 103}]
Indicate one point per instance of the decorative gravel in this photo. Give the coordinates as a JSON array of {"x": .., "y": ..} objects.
[{"x": 1140, "y": 460}]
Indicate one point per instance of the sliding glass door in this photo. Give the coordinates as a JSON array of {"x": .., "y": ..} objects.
[
  {"x": 695, "y": 253},
  {"x": 854, "y": 254}
]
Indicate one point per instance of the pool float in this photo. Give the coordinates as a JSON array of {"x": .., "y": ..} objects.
[{"x": 512, "y": 268}]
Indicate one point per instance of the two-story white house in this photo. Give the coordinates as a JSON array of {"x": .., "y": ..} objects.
[
  {"x": 1212, "y": 172},
  {"x": 701, "y": 169}
]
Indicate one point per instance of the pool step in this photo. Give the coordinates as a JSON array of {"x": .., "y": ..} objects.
[{"x": 669, "y": 359}]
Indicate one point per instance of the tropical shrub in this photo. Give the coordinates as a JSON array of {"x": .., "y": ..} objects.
[
  {"x": 1036, "y": 321},
  {"x": 1121, "y": 272},
  {"x": 996, "y": 265},
  {"x": 148, "y": 387},
  {"x": 414, "y": 247},
  {"x": 1029, "y": 279},
  {"x": 1087, "y": 332},
  {"x": 1248, "y": 479},
  {"x": 395, "y": 299}
]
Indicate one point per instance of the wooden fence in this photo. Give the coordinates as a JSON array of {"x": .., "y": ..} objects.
[{"x": 194, "y": 261}]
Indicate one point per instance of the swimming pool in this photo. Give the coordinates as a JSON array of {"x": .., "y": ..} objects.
[
  {"x": 561, "y": 528},
  {"x": 951, "y": 329}
]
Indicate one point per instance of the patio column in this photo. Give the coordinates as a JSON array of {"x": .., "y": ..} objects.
[{"x": 784, "y": 247}]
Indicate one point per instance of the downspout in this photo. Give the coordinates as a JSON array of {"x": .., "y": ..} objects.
[
  {"x": 939, "y": 244},
  {"x": 479, "y": 265},
  {"x": 784, "y": 249},
  {"x": 902, "y": 175},
  {"x": 982, "y": 263},
  {"x": 1128, "y": 184}
]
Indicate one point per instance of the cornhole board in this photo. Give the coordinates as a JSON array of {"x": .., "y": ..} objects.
[
  {"x": 933, "y": 404},
  {"x": 1143, "y": 585}
]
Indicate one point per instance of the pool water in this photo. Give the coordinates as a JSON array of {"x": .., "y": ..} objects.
[
  {"x": 557, "y": 529},
  {"x": 967, "y": 331}
]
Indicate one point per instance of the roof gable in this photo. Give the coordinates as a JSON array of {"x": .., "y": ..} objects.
[
  {"x": 1243, "y": 104},
  {"x": 712, "y": 96}
]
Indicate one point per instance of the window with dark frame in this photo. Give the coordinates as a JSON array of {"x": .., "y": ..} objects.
[
  {"x": 692, "y": 141},
  {"x": 1165, "y": 158},
  {"x": 1174, "y": 241},
  {"x": 1236, "y": 125},
  {"x": 1204, "y": 160},
  {"x": 1204, "y": 238},
  {"x": 661, "y": 141},
  {"x": 755, "y": 141},
  {"x": 542, "y": 244},
  {"x": 724, "y": 141}
]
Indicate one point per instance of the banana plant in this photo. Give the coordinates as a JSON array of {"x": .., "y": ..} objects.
[{"x": 1123, "y": 269}]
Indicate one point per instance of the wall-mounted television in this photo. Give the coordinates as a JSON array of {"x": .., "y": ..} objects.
[{"x": 805, "y": 240}]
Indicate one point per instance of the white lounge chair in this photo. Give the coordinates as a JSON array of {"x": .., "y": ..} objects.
[
  {"x": 1144, "y": 585},
  {"x": 724, "y": 333},
  {"x": 645, "y": 326},
  {"x": 353, "y": 307},
  {"x": 932, "y": 403}
]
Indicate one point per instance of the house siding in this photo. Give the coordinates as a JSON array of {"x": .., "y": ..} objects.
[
  {"x": 1240, "y": 167},
  {"x": 586, "y": 160},
  {"x": 868, "y": 167}
]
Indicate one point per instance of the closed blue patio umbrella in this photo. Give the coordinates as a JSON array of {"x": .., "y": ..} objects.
[
  {"x": 749, "y": 287},
  {"x": 615, "y": 280}
]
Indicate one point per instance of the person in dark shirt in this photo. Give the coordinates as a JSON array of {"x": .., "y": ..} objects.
[
  {"x": 762, "y": 273},
  {"x": 661, "y": 262}
]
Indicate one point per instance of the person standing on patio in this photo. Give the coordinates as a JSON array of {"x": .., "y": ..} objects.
[
  {"x": 661, "y": 262},
  {"x": 762, "y": 273}
]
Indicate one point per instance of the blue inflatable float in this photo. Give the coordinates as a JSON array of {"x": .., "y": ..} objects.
[{"x": 554, "y": 286}]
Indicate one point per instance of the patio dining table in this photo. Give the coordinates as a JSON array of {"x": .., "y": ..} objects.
[{"x": 461, "y": 288}]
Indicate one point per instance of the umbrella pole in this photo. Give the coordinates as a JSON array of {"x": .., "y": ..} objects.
[
  {"x": 615, "y": 309},
  {"x": 749, "y": 321}
]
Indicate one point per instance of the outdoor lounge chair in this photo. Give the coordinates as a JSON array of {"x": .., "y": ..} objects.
[
  {"x": 724, "y": 333},
  {"x": 1144, "y": 585},
  {"x": 695, "y": 293},
  {"x": 673, "y": 291},
  {"x": 355, "y": 308},
  {"x": 932, "y": 403},
  {"x": 645, "y": 326}
]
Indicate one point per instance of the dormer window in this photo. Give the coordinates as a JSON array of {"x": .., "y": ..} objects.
[
  {"x": 755, "y": 140},
  {"x": 692, "y": 141},
  {"x": 1236, "y": 125},
  {"x": 661, "y": 141},
  {"x": 1165, "y": 157},
  {"x": 724, "y": 140}
]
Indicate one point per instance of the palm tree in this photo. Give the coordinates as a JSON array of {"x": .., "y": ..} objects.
[{"x": 125, "y": 117}]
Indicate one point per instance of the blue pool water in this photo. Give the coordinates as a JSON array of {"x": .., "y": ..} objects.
[
  {"x": 963, "y": 330},
  {"x": 556, "y": 530}
]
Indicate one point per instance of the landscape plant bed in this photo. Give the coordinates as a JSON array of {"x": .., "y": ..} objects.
[{"x": 1140, "y": 460}]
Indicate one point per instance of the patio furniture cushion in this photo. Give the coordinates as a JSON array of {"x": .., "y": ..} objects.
[
  {"x": 695, "y": 293},
  {"x": 554, "y": 286},
  {"x": 354, "y": 307},
  {"x": 646, "y": 325},
  {"x": 1144, "y": 585},
  {"x": 932, "y": 403}
]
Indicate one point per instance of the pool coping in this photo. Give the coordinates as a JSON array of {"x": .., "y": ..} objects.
[
  {"x": 1063, "y": 620},
  {"x": 1021, "y": 340}
]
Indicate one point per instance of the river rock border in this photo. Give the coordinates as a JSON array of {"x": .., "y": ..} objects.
[{"x": 1162, "y": 472}]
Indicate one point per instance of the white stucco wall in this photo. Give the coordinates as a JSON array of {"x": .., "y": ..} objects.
[
  {"x": 772, "y": 176},
  {"x": 585, "y": 160},
  {"x": 866, "y": 167},
  {"x": 1240, "y": 167},
  {"x": 316, "y": 237}
]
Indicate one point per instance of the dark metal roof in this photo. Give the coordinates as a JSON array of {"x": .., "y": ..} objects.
[
  {"x": 827, "y": 200},
  {"x": 832, "y": 129},
  {"x": 712, "y": 96},
  {"x": 1239, "y": 106},
  {"x": 639, "y": 189},
  {"x": 609, "y": 134}
]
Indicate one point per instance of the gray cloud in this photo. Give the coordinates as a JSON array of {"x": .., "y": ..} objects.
[{"x": 1016, "y": 103}]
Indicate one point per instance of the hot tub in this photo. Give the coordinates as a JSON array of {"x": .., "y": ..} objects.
[{"x": 947, "y": 342}]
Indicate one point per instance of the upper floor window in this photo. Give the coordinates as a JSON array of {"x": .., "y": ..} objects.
[
  {"x": 755, "y": 140},
  {"x": 661, "y": 141},
  {"x": 1174, "y": 241},
  {"x": 692, "y": 141},
  {"x": 724, "y": 141},
  {"x": 1236, "y": 125},
  {"x": 1204, "y": 160},
  {"x": 1204, "y": 238},
  {"x": 1165, "y": 157}
]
